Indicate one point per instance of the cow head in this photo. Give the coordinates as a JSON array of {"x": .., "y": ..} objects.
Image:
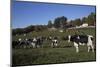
[{"x": 90, "y": 37}]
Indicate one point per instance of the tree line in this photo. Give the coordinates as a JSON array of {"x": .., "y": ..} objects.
[
  {"x": 59, "y": 22},
  {"x": 62, "y": 22}
]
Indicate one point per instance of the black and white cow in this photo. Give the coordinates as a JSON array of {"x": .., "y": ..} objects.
[
  {"x": 39, "y": 42},
  {"x": 23, "y": 43},
  {"x": 18, "y": 43},
  {"x": 54, "y": 42},
  {"x": 36, "y": 42},
  {"x": 81, "y": 40}
]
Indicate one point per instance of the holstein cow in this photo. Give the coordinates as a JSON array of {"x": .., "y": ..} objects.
[
  {"x": 23, "y": 43},
  {"x": 54, "y": 42},
  {"x": 39, "y": 42},
  {"x": 33, "y": 43},
  {"x": 36, "y": 42},
  {"x": 81, "y": 40}
]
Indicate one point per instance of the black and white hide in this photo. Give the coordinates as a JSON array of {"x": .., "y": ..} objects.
[
  {"x": 33, "y": 42},
  {"x": 15, "y": 44},
  {"x": 39, "y": 42},
  {"x": 81, "y": 40},
  {"x": 54, "y": 42},
  {"x": 24, "y": 43}
]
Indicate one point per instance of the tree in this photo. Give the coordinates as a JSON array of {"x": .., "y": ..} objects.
[
  {"x": 84, "y": 20},
  {"x": 91, "y": 20},
  {"x": 77, "y": 22},
  {"x": 50, "y": 24},
  {"x": 63, "y": 21},
  {"x": 60, "y": 22},
  {"x": 57, "y": 22}
]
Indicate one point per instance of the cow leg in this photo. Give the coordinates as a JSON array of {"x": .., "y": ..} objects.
[
  {"x": 24, "y": 46},
  {"x": 56, "y": 44},
  {"x": 33, "y": 45},
  {"x": 52, "y": 45},
  {"x": 88, "y": 48},
  {"x": 90, "y": 45},
  {"x": 76, "y": 46},
  {"x": 38, "y": 46},
  {"x": 92, "y": 48}
]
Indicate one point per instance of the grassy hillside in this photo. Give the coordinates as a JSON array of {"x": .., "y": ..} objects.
[
  {"x": 64, "y": 53},
  {"x": 87, "y": 31}
]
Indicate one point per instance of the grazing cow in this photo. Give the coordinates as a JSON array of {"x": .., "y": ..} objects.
[
  {"x": 54, "y": 42},
  {"x": 30, "y": 42},
  {"x": 81, "y": 40},
  {"x": 23, "y": 43},
  {"x": 16, "y": 43},
  {"x": 33, "y": 43},
  {"x": 39, "y": 42}
]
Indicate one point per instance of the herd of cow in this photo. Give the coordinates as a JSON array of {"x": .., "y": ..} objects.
[{"x": 37, "y": 42}]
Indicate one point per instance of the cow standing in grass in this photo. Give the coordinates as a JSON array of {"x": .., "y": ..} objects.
[
  {"x": 39, "y": 42},
  {"x": 81, "y": 40},
  {"x": 33, "y": 43},
  {"x": 54, "y": 42},
  {"x": 23, "y": 43}
]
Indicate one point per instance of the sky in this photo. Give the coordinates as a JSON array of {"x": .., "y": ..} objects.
[{"x": 24, "y": 14}]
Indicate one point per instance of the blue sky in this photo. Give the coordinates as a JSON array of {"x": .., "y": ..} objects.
[{"x": 33, "y": 13}]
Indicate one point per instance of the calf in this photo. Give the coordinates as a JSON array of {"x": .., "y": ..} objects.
[{"x": 81, "y": 40}]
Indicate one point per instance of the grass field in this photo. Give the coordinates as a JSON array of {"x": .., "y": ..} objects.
[{"x": 64, "y": 53}]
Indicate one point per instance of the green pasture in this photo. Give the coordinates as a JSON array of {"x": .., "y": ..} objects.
[{"x": 64, "y": 53}]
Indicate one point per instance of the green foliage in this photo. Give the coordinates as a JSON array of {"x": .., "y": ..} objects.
[
  {"x": 77, "y": 22},
  {"x": 84, "y": 20},
  {"x": 91, "y": 19},
  {"x": 60, "y": 22}
]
